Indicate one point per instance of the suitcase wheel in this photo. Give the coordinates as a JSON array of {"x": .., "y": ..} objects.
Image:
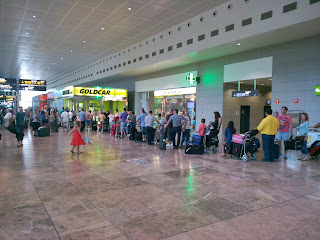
[
  {"x": 254, "y": 157},
  {"x": 245, "y": 158}
]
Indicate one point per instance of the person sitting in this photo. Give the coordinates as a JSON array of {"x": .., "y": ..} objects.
[
  {"x": 230, "y": 130},
  {"x": 201, "y": 131}
]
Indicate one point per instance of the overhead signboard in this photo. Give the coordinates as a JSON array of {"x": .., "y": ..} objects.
[
  {"x": 250, "y": 93},
  {"x": 33, "y": 88},
  {"x": 32, "y": 82},
  {"x": 175, "y": 92},
  {"x": 94, "y": 92},
  {"x": 10, "y": 93},
  {"x": 317, "y": 90}
]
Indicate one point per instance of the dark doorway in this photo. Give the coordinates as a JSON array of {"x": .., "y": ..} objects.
[
  {"x": 244, "y": 119},
  {"x": 265, "y": 109}
]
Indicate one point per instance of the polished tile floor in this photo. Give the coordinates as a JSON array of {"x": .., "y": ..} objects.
[{"x": 48, "y": 193}]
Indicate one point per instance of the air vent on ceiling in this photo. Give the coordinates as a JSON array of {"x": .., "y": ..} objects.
[
  {"x": 140, "y": 58},
  {"x": 201, "y": 37},
  {"x": 266, "y": 15},
  {"x": 314, "y": 1},
  {"x": 134, "y": 60},
  {"x": 161, "y": 51},
  {"x": 246, "y": 22},
  {"x": 129, "y": 62},
  {"x": 146, "y": 56},
  {"x": 290, "y": 7},
  {"x": 189, "y": 41},
  {"x": 170, "y": 48},
  {"x": 154, "y": 54},
  {"x": 179, "y": 45},
  {"x": 229, "y": 27},
  {"x": 215, "y": 33}
]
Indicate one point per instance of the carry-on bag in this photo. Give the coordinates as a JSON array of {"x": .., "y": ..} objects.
[
  {"x": 237, "y": 150},
  {"x": 44, "y": 132},
  {"x": 238, "y": 138},
  {"x": 276, "y": 151},
  {"x": 94, "y": 126},
  {"x": 105, "y": 126},
  {"x": 314, "y": 150},
  {"x": 132, "y": 134},
  {"x": 162, "y": 141},
  {"x": 194, "y": 149},
  {"x": 138, "y": 137}
]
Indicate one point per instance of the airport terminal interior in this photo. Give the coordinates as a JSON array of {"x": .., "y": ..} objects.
[{"x": 159, "y": 119}]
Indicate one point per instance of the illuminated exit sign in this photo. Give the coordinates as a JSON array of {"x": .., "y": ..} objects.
[
  {"x": 317, "y": 90},
  {"x": 191, "y": 78}
]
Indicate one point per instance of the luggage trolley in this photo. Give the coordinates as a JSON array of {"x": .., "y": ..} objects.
[{"x": 248, "y": 144}]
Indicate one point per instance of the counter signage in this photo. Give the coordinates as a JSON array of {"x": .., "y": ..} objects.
[
  {"x": 251, "y": 93},
  {"x": 32, "y": 82},
  {"x": 100, "y": 92},
  {"x": 175, "y": 92},
  {"x": 317, "y": 90}
]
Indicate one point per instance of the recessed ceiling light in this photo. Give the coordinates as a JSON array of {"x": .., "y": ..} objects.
[
  {"x": 154, "y": 66},
  {"x": 129, "y": 9},
  {"x": 34, "y": 16},
  {"x": 238, "y": 44},
  {"x": 84, "y": 41},
  {"x": 48, "y": 68},
  {"x": 262, "y": 84},
  {"x": 102, "y": 28},
  {"x": 62, "y": 58},
  {"x": 54, "y": 63},
  {"x": 71, "y": 51},
  {"x": 27, "y": 33}
]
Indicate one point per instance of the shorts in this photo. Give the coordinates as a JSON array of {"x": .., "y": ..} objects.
[
  {"x": 123, "y": 126},
  {"x": 144, "y": 130},
  {"x": 65, "y": 123},
  {"x": 282, "y": 136},
  {"x": 88, "y": 122}
]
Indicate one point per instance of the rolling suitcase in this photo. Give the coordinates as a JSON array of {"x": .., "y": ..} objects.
[
  {"x": 138, "y": 137},
  {"x": 94, "y": 126},
  {"x": 132, "y": 134},
  {"x": 44, "y": 132},
  {"x": 162, "y": 141},
  {"x": 71, "y": 124},
  {"x": 236, "y": 150},
  {"x": 314, "y": 150},
  {"x": 105, "y": 126}
]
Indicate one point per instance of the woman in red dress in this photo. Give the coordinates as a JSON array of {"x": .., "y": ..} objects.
[{"x": 76, "y": 138}]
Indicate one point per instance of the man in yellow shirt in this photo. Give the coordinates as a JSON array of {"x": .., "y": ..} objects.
[{"x": 268, "y": 128}]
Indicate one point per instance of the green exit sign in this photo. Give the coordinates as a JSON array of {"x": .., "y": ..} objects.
[{"x": 317, "y": 90}]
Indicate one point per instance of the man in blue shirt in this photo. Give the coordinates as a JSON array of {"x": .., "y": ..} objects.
[
  {"x": 123, "y": 117},
  {"x": 140, "y": 119},
  {"x": 82, "y": 116}
]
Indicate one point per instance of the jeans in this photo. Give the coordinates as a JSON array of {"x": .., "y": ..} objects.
[
  {"x": 268, "y": 147},
  {"x": 185, "y": 136},
  {"x": 176, "y": 130},
  {"x": 150, "y": 135},
  {"x": 304, "y": 149}
]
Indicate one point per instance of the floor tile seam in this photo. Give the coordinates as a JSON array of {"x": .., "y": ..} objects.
[{"x": 45, "y": 209}]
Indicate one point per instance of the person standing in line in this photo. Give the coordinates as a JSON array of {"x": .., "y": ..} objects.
[
  {"x": 52, "y": 120},
  {"x": 56, "y": 120},
  {"x": 76, "y": 138},
  {"x": 123, "y": 117},
  {"x": 88, "y": 120},
  {"x": 140, "y": 119},
  {"x": 7, "y": 118},
  {"x": 186, "y": 130},
  {"x": 268, "y": 128},
  {"x": 20, "y": 117},
  {"x": 176, "y": 120},
  {"x": 285, "y": 125},
  {"x": 111, "y": 119},
  {"x": 116, "y": 112},
  {"x": 149, "y": 122},
  {"x": 102, "y": 118},
  {"x": 169, "y": 129},
  {"x": 303, "y": 131},
  {"x": 230, "y": 130},
  {"x": 65, "y": 120},
  {"x": 82, "y": 116}
]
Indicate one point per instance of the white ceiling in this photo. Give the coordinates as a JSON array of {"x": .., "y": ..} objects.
[{"x": 40, "y": 47}]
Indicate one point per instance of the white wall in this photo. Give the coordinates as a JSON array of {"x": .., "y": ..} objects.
[{"x": 248, "y": 70}]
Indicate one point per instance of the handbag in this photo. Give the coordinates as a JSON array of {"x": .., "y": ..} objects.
[
  {"x": 299, "y": 138},
  {"x": 12, "y": 128}
]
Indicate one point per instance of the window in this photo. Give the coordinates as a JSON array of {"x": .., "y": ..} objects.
[
  {"x": 134, "y": 60},
  {"x": 129, "y": 62},
  {"x": 290, "y": 7},
  {"x": 161, "y": 51},
  {"x": 246, "y": 22},
  {"x": 179, "y": 45},
  {"x": 154, "y": 54},
  {"x": 266, "y": 15},
  {"x": 190, "y": 41},
  {"x": 119, "y": 65},
  {"x": 170, "y": 48},
  {"x": 201, "y": 37},
  {"x": 140, "y": 58},
  {"x": 115, "y": 67},
  {"x": 229, "y": 27},
  {"x": 146, "y": 56},
  {"x": 214, "y": 33},
  {"x": 124, "y": 64}
]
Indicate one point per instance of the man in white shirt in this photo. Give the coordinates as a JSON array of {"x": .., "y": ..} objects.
[
  {"x": 149, "y": 121},
  {"x": 7, "y": 118},
  {"x": 65, "y": 120}
]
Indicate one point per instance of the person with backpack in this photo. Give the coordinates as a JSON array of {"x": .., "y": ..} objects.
[{"x": 229, "y": 131}]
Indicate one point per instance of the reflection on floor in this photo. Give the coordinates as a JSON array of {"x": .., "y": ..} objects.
[{"x": 48, "y": 193}]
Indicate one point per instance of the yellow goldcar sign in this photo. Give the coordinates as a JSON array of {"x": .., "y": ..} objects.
[{"x": 97, "y": 92}]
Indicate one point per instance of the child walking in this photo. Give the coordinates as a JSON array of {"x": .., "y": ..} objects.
[{"x": 76, "y": 139}]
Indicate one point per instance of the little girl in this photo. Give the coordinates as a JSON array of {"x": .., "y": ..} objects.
[{"x": 76, "y": 138}]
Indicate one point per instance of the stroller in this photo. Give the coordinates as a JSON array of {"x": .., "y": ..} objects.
[
  {"x": 211, "y": 140},
  {"x": 244, "y": 144}
]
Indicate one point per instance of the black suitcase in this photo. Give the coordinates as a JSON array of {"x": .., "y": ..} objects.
[
  {"x": 194, "y": 149},
  {"x": 236, "y": 150},
  {"x": 44, "y": 132},
  {"x": 105, "y": 126},
  {"x": 71, "y": 124},
  {"x": 162, "y": 141},
  {"x": 138, "y": 137},
  {"x": 276, "y": 151},
  {"x": 132, "y": 134},
  {"x": 94, "y": 126}
]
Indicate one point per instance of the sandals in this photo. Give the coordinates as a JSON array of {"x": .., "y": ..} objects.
[{"x": 79, "y": 152}]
